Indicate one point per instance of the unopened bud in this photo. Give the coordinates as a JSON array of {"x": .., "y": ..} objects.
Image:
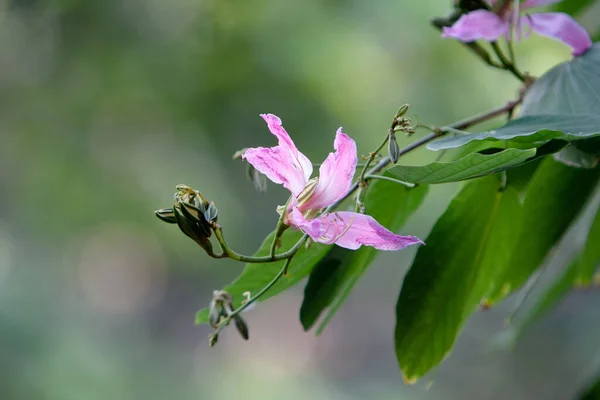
[
  {"x": 241, "y": 327},
  {"x": 214, "y": 314},
  {"x": 213, "y": 339},
  {"x": 167, "y": 215},
  {"x": 194, "y": 218},
  {"x": 211, "y": 213},
  {"x": 194, "y": 230},
  {"x": 393, "y": 148},
  {"x": 402, "y": 110}
]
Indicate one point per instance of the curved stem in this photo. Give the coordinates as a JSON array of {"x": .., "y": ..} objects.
[
  {"x": 508, "y": 65},
  {"x": 372, "y": 157},
  {"x": 252, "y": 259},
  {"x": 386, "y": 178}
]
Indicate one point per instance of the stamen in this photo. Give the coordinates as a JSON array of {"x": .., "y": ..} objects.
[{"x": 308, "y": 191}]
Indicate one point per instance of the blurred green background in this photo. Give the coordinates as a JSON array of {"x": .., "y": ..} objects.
[{"x": 107, "y": 105}]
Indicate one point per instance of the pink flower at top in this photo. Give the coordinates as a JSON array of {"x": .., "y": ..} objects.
[
  {"x": 285, "y": 165},
  {"x": 486, "y": 25}
]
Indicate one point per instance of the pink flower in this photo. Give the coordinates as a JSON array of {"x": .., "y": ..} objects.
[
  {"x": 486, "y": 25},
  {"x": 284, "y": 164}
]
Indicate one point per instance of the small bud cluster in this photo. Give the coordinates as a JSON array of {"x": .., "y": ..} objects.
[
  {"x": 193, "y": 214},
  {"x": 221, "y": 312},
  {"x": 399, "y": 124}
]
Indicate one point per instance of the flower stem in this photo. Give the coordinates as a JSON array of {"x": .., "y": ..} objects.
[
  {"x": 281, "y": 227},
  {"x": 372, "y": 157},
  {"x": 437, "y": 132},
  {"x": 227, "y": 252},
  {"x": 508, "y": 65},
  {"x": 247, "y": 304}
]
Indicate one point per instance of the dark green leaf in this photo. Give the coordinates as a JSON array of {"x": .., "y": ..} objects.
[
  {"x": 531, "y": 129},
  {"x": 573, "y": 157},
  {"x": 471, "y": 166},
  {"x": 468, "y": 246},
  {"x": 590, "y": 258},
  {"x": 572, "y": 87},
  {"x": 334, "y": 277},
  {"x": 592, "y": 392},
  {"x": 555, "y": 195},
  {"x": 256, "y": 276}
]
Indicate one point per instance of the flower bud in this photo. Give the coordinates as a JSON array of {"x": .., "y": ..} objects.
[
  {"x": 193, "y": 229},
  {"x": 241, "y": 327},
  {"x": 167, "y": 215},
  {"x": 393, "y": 148},
  {"x": 402, "y": 110},
  {"x": 213, "y": 339},
  {"x": 211, "y": 213}
]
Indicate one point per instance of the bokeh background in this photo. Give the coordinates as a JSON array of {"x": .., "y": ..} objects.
[{"x": 106, "y": 105}]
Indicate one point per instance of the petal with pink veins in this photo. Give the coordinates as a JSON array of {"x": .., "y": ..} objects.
[
  {"x": 335, "y": 174},
  {"x": 282, "y": 164},
  {"x": 562, "y": 27},
  {"x": 479, "y": 24},
  {"x": 351, "y": 230}
]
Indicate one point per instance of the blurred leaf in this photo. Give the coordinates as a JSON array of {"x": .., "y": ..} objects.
[
  {"x": 334, "y": 277},
  {"x": 572, "y": 7},
  {"x": 465, "y": 251},
  {"x": 590, "y": 258},
  {"x": 554, "y": 197},
  {"x": 592, "y": 392},
  {"x": 573, "y": 157},
  {"x": 256, "y": 276},
  {"x": 531, "y": 129},
  {"x": 471, "y": 166},
  {"x": 572, "y": 87}
]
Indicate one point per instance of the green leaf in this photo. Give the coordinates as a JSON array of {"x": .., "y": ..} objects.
[
  {"x": 590, "y": 257},
  {"x": 256, "y": 276},
  {"x": 592, "y": 392},
  {"x": 573, "y": 157},
  {"x": 464, "y": 253},
  {"x": 532, "y": 129},
  {"x": 334, "y": 277},
  {"x": 471, "y": 166},
  {"x": 555, "y": 195},
  {"x": 572, "y": 87}
]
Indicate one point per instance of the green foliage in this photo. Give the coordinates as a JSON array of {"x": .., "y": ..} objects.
[
  {"x": 532, "y": 129},
  {"x": 570, "y": 87},
  {"x": 592, "y": 392},
  {"x": 555, "y": 195},
  {"x": 336, "y": 274},
  {"x": 466, "y": 250},
  {"x": 254, "y": 277},
  {"x": 574, "y": 157},
  {"x": 471, "y": 166}
]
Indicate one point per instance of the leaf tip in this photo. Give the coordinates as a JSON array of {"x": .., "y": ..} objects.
[{"x": 409, "y": 380}]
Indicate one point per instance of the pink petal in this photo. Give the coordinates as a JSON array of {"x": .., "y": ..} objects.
[
  {"x": 351, "y": 230},
  {"x": 335, "y": 174},
  {"x": 562, "y": 27},
  {"x": 283, "y": 164},
  {"x": 479, "y": 24}
]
